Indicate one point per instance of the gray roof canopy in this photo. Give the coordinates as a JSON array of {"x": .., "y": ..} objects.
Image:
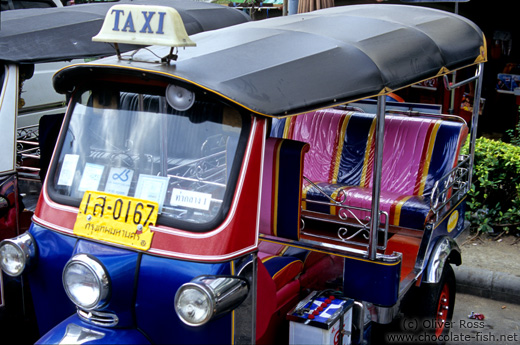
[{"x": 287, "y": 65}]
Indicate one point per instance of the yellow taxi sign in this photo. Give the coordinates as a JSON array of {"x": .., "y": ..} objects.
[{"x": 144, "y": 25}]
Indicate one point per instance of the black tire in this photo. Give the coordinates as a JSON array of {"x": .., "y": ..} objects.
[
  {"x": 420, "y": 321},
  {"x": 435, "y": 305}
]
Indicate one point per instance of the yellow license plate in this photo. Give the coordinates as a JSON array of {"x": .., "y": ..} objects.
[{"x": 117, "y": 219}]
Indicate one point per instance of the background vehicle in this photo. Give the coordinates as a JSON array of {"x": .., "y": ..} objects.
[
  {"x": 189, "y": 203},
  {"x": 23, "y": 4}
]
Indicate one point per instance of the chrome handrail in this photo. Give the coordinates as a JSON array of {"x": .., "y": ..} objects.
[
  {"x": 359, "y": 226},
  {"x": 456, "y": 182}
]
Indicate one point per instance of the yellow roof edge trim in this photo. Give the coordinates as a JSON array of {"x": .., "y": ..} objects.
[
  {"x": 483, "y": 54},
  {"x": 144, "y": 25},
  {"x": 386, "y": 90},
  {"x": 442, "y": 72},
  {"x": 483, "y": 51}
]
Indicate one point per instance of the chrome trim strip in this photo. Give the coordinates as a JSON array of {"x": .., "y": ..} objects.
[
  {"x": 438, "y": 258},
  {"x": 50, "y": 226},
  {"x": 98, "y": 318},
  {"x": 76, "y": 335},
  {"x": 338, "y": 250},
  {"x": 204, "y": 258}
]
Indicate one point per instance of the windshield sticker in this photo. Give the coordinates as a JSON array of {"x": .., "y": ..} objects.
[
  {"x": 186, "y": 198},
  {"x": 119, "y": 180},
  {"x": 91, "y": 176},
  {"x": 68, "y": 169},
  {"x": 153, "y": 188}
]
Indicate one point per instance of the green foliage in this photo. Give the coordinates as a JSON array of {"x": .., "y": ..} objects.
[
  {"x": 494, "y": 198},
  {"x": 514, "y": 135}
]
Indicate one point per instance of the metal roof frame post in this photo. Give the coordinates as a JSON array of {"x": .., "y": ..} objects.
[
  {"x": 478, "y": 78},
  {"x": 474, "y": 118},
  {"x": 376, "y": 176}
]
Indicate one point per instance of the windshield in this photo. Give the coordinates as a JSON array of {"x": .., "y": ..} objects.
[{"x": 137, "y": 145}]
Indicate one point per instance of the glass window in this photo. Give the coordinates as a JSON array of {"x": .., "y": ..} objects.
[{"x": 137, "y": 145}]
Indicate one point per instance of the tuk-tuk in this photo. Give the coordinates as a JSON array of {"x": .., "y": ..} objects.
[
  {"x": 34, "y": 44},
  {"x": 222, "y": 188}
]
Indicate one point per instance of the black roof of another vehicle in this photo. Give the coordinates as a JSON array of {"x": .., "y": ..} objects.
[{"x": 65, "y": 33}]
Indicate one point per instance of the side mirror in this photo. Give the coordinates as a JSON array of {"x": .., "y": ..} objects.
[{"x": 4, "y": 203}]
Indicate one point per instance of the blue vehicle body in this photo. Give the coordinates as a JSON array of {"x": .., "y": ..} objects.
[
  {"x": 73, "y": 329},
  {"x": 140, "y": 283}
]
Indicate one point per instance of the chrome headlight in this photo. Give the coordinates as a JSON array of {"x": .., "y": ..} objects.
[
  {"x": 16, "y": 253},
  {"x": 86, "y": 282},
  {"x": 207, "y": 297}
]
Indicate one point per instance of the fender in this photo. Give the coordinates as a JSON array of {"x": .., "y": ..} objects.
[
  {"x": 74, "y": 331},
  {"x": 445, "y": 250}
]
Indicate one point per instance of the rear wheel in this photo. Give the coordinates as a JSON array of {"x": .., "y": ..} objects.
[
  {"x": 443, "y": 309},
  {"x": 436, "y": 303}
]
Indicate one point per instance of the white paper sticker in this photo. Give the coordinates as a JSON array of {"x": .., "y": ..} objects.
[
  {"x": 119, "y": 181},
  {"x": 91, "y": 176},
  {"x": 186, "y": 198},
  {"x": 153, "y": 188},
  {"x": 68, "y": 169}
]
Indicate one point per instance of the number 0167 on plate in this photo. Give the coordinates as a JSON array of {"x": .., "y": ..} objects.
[{"x": 117, "y": 219}]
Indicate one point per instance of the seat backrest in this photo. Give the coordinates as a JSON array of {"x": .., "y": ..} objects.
[
  {"x": 444, "y": 155},
  {"x": 417, "y": 152},
  {"x": 321, "y": 129},
  {"x": 281, "y": 188}
]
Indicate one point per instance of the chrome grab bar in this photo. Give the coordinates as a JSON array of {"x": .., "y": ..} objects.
[{"x": 450, "y": 87}]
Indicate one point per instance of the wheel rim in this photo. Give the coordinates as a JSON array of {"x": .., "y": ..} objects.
[{"x": 443, "y": 307}]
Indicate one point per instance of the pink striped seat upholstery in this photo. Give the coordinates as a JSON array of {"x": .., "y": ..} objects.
[
  {"x": 418, "y": 151},
  {"x": 280, "y": 216}
]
